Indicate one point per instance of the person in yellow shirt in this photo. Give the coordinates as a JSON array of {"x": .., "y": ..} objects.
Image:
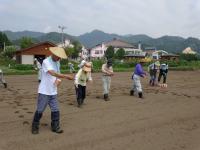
[{"x": 80, "y": 82}]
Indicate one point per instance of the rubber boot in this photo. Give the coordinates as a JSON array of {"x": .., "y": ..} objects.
[
  {"x": 108, "y": 98},
  {"x": 55, "y": 123},
  {"x": 5, "y": 85},
  {"x": 105, "y": 96},
  {"x": 131, "y": 92},
  {"x": 82, "y": 101},
  {"x": 79, "y": 101},
  {"x": 36, "y": 122},
  {"x": 140, "y": 95}
]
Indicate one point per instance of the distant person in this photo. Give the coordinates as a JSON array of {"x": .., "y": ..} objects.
[
  {"x": 92, "y": 67},
  {"x": 38, "y": 67},
  {"x": 47, "y": 91},
  {"x": 107, "y": 71},
  {"x": 163, "y": 72},
  {"x": 81, "y": 79},
  {"x": 84, "y": 60},
  {"x": 153, "y": 69},
  {"x": 138, "y": 72},
  {"x": 2, "y": 80},
  {"x": 71, "y": 67}
]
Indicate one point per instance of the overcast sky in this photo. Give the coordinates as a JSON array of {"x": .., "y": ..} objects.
[{"x": 152, "y": 17}]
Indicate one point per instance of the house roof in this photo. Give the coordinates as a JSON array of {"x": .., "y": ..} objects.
[
  {"x": 149, "y": 51},
  {"x": 134, "y": 55},
  {"x": 170, "y": 55},
  {"x": 116, "y": 43},
  {"x": 37, "y": 49}
]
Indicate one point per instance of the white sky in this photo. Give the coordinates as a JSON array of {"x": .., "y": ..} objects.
[{"x": 152, "y": 17}]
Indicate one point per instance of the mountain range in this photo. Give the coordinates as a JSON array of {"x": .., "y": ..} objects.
[{"x": 169, "y": 43}]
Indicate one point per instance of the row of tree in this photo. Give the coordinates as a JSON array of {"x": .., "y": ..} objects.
[
  {"x": 7, "y": 49},
  {"x": 110, "y": 53}
]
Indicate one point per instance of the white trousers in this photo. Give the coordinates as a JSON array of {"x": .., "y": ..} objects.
[
  {"x": 137, "y": 87},
  {"x": 106, "y": 84}
]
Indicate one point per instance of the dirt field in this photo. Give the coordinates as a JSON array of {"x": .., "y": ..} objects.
[{"x": 166, "y": 119}]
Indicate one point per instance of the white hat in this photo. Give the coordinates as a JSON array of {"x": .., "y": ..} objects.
[{"x": 58, "y": 51}]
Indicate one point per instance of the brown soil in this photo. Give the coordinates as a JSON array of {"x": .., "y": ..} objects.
[{"x": 166, "y": 119}]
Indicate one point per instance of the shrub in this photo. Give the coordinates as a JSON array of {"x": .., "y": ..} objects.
[{"x": 22, "y": 67}]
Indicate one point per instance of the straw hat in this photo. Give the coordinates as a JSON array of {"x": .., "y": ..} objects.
[
  {"x": 58, "y": 51},
  {"x": 87, "y": 67}
]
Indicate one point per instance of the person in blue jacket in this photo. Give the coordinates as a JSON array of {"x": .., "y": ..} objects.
[{"x": 138, "y": 72}]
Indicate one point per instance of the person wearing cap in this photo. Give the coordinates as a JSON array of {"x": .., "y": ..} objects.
[
  {"x": 138, "y": 72},
  {"x": 80, "y": 82},
  {"x": 107, "y": 71},
  {"x": 153, "y": 68},
  {"x": 163, "y": 72},
  {"x": 47, "y": 91}
]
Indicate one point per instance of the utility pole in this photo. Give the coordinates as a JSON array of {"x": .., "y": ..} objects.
[{"x": 62, "y": 29}]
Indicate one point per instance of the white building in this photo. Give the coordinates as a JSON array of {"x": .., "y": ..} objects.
[
  {"x": 99, "y": 50},
  {"x": 188, "y": 50},
  {"x": 67, "y": 43}
]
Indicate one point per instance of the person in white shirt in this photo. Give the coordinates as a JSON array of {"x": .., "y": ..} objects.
[
  {"x": 163, "y": 72},
  {"x": 2, "y": 80},
  {"x": 107, "y": 71},
  {"x": 47, "y": 91},
  {"x": 81, "y": 79},
  {"x": 38, "y": 67}
]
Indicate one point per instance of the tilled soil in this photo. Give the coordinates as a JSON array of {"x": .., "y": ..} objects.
[{"x": 166, "y": 119}]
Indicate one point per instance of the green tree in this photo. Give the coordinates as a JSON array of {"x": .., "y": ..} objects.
[
  {"x": 120, "y": 53},
  {"x": 4, "y": 40},
  {"x": 69, "y": 51},
  {"x": 189, "y": 57},
  {"x": 9, "y": 52},
  {"x": 109, "y": 52},
  {"x": 77, "y": 49},
  {"x": 25, "y": 42}
]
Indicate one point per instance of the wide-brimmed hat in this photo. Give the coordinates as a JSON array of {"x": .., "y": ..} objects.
[
  {"x": 87, "y": 67},
  {"x": 58, "y": 51}
]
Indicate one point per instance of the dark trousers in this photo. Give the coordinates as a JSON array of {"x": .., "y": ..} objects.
[
  {"x": 164, "y": 74},
  {"x": 80, "y": 94},
  {"x": 153, "y": 73}
]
